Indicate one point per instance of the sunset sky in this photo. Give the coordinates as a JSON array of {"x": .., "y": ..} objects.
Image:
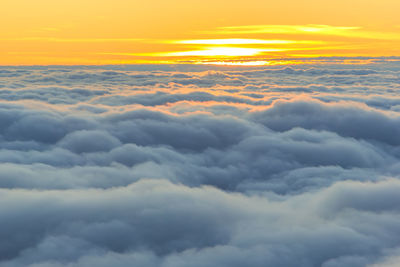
[
  {"x": 177, "y": 31},
  {"x": 193, "y": 133}
]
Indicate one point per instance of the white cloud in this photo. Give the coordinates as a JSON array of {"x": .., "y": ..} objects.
[{"x": 200, "y": 166}]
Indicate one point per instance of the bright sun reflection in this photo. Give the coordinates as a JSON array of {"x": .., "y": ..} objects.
[
  {"x": 220, "y": 51},
  {"x": 237, "y": 63}
]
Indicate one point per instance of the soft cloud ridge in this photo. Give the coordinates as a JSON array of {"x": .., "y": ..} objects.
[{"x": 183, "y": 165}]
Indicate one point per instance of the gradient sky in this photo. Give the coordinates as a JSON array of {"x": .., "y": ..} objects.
[{"x": 250, "y": 32}]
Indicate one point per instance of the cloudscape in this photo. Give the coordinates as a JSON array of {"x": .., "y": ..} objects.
[
  {"x": 193, "y": 133},
  {"x": 183, "y": 165}
]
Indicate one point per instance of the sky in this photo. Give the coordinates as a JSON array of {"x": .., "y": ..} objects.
[
  {"x": 256, "y": 32},
  {"x": 199, "y": 133}
]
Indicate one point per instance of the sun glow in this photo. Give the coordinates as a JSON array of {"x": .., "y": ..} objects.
[
  {"x": 219, "y": 51},
  {"x": 135, "y": 32},
  {"x": 237, "y": 63},
  {"x": 235, "y": 41}
]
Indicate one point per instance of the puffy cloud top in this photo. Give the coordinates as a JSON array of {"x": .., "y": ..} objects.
[{"x": 200, "y": 166}]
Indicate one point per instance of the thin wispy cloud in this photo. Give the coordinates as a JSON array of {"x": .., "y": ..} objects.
[
  {"x": 242, "y": 41},
  {"x": 311, "y": 29},
  {"x": 76, "y": 40},
  {"x": 293, "y": 42}
]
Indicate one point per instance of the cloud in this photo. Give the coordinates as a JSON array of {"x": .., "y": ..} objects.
[
  {"x": 346, "y": 120},
  {"x": 200, "y": 166},
  {"x": 160, "y": 223}
]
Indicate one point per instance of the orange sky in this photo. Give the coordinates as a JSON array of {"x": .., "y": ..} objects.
[{"x": 131, "y": 31}]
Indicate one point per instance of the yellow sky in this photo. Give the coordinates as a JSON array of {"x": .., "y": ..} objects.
[{"x": 132, "y": 31}]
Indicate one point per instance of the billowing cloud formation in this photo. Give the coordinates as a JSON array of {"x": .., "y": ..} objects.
[{"x": 200, "y": 166}]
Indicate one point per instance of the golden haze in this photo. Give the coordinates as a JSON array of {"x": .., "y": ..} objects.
[{"x": 175, "y": 31}]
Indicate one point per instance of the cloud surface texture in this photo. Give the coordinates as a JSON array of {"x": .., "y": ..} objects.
[{"x": 196, "y": 166}]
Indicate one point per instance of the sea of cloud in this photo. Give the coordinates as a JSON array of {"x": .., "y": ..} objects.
[{"x": 194, "y": 166}]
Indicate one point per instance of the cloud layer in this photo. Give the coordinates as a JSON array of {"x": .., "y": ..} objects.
[{"x": 200, "y": 166}]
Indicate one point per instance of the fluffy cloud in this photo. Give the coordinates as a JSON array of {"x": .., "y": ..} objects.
[
  {"x": 157, "y": 223},
  {"x": 200, "y": 166}
]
